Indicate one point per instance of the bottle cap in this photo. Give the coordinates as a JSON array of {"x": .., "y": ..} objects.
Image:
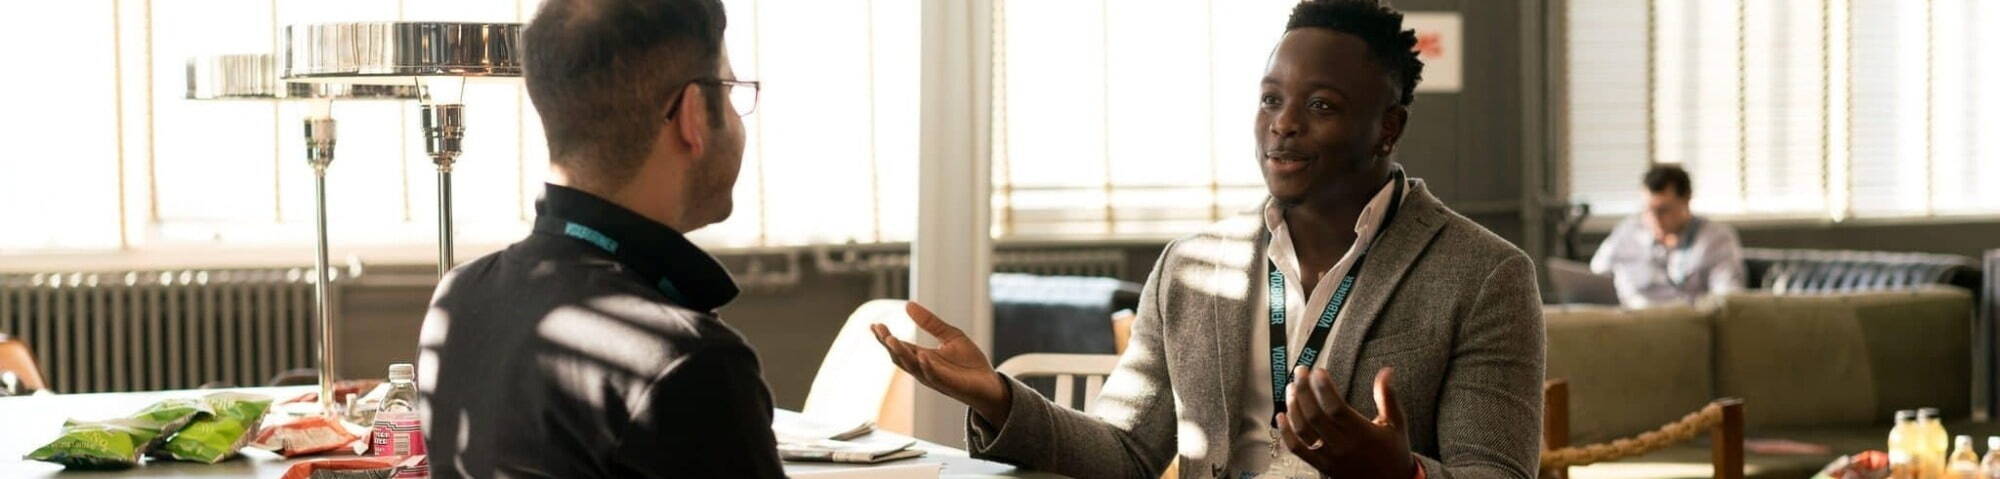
[
  {"x": 1906, "y": 415},
  {"x": 402, "y": 372},
  {"x": 1992, "y": 442},
  {"x": 1963, "y": 440},
  {"x": 1927, "y": 413}
]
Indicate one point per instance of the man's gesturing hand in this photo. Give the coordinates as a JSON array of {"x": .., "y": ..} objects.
[
  {"x": 956, "y": 367},
  {"x": 1322, "y": 429}
]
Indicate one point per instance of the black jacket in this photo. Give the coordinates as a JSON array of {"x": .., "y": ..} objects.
[{"x": 591, "y": 350}]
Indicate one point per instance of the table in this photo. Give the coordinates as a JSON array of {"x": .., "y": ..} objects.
[{"x": 30, "y": 422}]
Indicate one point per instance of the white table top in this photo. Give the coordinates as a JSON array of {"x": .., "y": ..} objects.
[{"x": 27, "y": 423}]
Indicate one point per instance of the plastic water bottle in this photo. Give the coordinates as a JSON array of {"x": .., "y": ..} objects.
[
  {"x": 398, "y": 429},
  {"x": 1964, "y": 462}
]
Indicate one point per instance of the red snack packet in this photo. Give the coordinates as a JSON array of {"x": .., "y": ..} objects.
[
  {"x": 1863, "y": 465},
  {"x": 359, "y": 467},
  {"x": 303, "y": 436},
  {"x": 341, "y": 389}
]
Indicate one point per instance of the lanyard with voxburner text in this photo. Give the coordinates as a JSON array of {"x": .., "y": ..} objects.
[
  {"x": 557, "y": 226},
  {"x": 1309, "y": 352}
]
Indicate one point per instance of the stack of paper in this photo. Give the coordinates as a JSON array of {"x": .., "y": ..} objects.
[
  {"x": 799, "y": 428},
  {"x": 802, "y": 438},
  {"x": 867, "y": 450}
]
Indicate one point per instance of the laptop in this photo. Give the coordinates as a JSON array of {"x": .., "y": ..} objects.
[{"x": 1575, "y": 284}]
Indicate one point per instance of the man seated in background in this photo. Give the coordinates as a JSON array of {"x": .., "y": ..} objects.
[
  {"x": 1666, "y": 254},
  {"x": 591, "y": 348}
]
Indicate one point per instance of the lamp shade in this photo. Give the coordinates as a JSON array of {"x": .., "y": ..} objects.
[
  {"x": 399, "y": 53},
  {"x": 254, "y": 76}
]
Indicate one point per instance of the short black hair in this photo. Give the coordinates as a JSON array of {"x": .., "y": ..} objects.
[
  {"x": 1392, "y": 47},
  {"x": 602, "y": 73},
  {"x": 1663, "y": 177}
]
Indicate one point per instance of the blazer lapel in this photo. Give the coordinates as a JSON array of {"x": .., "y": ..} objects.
[
  {"x": 1388, "y": 262},
  {"x": 1231, "y": 316}
]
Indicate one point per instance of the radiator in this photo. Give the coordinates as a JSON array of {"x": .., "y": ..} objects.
[{"x": 156, "y": 330}]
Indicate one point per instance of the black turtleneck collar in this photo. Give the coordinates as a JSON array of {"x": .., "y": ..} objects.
[{"x": 663, "y": 257}]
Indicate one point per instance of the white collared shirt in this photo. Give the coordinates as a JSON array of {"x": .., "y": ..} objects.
[
  {"x": 1252, "y": 448},
  {"x": 1709, "y": 261}
]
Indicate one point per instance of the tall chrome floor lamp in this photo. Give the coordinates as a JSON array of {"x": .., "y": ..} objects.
[
  {"x": 254, "y": 77},
  {"x": 437, "y": 58}
]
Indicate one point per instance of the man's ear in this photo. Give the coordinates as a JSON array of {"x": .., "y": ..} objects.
[
  {"x": 1392, "y": 129},
  {"x": 691, "y": 120},
  {"x": 1393, "y": 124}
]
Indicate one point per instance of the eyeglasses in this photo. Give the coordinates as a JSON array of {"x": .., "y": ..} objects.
[{"x": 743, "y": 99}]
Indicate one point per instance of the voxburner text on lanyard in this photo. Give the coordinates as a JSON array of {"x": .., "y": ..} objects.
[{"x": 1310, "y": 351}]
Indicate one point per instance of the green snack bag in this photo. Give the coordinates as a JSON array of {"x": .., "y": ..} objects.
[
  {"x": 215, "y": 437},
  {"x": 112, "y": 444},
  {"x": 167, "y": 417}
]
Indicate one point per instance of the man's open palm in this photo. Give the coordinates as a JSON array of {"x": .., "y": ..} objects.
[{"x": 956, "y": 367}]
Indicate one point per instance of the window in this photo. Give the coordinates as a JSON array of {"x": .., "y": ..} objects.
[
  {"x": 1114, "y": 123},
  {"x": 839, "y": 105},
  {"x": 832, "y": 150},
  {"x": 59, "y": 168},
  {"x": 1786, "y": 108}
]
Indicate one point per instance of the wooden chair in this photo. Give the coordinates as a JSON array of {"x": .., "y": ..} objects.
[
  {"x": 1065, "y": 368},
  {"x": 1723, "y": 419},
  {"x": 857, "y": 380},
  {"x": 16, "y": 357}
]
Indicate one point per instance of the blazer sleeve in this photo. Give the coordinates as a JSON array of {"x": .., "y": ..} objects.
[
  {"x": 1133, "y": 433},
  {"x": 1490, "y": 409}
]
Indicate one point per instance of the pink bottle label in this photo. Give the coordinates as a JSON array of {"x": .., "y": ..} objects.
[{"x": 399, "y": 434}]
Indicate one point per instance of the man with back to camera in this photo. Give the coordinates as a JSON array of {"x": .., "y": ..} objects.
[
  {"x": 1666, "y": 254},
  {"x": 1347, "y": 258},
  {"x": 591, "y": 348}
]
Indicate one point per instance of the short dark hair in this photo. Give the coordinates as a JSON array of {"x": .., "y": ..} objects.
[
  {"x": 602, "y": 73},
  {"x": 1663, "y": 177},
  {"x": 1392, "y": 47}
]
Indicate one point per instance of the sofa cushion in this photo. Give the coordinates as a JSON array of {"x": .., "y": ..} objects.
[
  {"x": 1796, "y": 360},
  {"x": 1918, "y": 345},
  {"x": 1629, "y": 371},
  {"x": 1847, "y": 359}
]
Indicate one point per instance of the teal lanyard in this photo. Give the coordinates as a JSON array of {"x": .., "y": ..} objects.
[
  {"x": 1310, "y": 351},
  {"x": 553, "y": 225}
]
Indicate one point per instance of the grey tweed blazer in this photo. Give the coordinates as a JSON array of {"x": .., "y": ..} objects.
[{"x": 1453, "y": 307}]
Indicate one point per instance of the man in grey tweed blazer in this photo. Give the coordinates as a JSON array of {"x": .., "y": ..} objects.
[{"x": 1423, "y": 330}]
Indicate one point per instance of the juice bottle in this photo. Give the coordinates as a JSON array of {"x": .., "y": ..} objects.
[
  {"x": 1964, "y": 462},
  {"x": 1902, "y": 457},
  {"x": 1935, "y": 442}
]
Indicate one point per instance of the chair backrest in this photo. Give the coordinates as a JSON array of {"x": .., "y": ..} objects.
[
  {"x": 15, "y": 357},
  {"x": 1065, "y": 368},
  {"x": 856, "y": 378}
]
